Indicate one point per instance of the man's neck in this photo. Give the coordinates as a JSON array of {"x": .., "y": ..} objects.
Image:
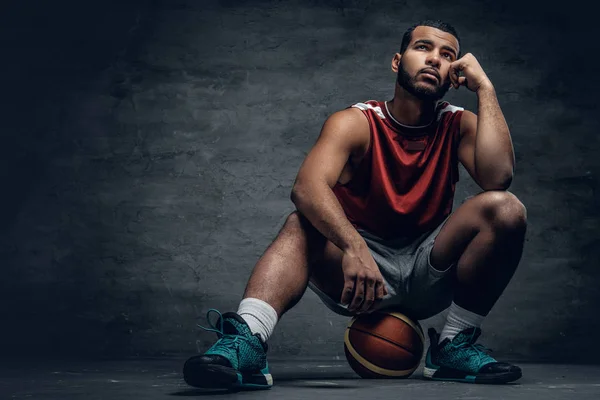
[{"x": 409, "y": 110}]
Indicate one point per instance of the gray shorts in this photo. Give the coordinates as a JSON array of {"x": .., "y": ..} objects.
[{"x": 414, "y": 286}]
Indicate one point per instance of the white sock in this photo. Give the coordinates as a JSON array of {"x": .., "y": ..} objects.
[
  {"x": 459, "y": 319},
  {"x": 259, "y": 315}
]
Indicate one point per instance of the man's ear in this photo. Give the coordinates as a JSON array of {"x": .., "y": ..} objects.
[{"x": 395, "y": 62}]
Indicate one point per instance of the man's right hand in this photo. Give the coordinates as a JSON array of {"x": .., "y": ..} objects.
[{"x": 363, "y": 282}]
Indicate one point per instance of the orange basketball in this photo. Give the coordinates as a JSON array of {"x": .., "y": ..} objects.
[{"x": 384, "y": 344}]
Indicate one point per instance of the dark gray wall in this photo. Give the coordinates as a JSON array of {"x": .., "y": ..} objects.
[{"x": 149, "y": 148}]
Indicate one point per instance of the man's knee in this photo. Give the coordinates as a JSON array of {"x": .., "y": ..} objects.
[
  {"x": 293, "y": 220},
  {"x": 298, "y": 226},
  {"x": 504, "y": 211},
  {"x": 296, "y": 222}
]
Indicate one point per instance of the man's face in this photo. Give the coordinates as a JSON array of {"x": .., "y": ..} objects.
[{"x": 423, "y": 68}]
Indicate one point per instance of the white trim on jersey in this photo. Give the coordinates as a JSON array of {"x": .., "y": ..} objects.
[
  {"x": 364, "y": 107},
  {"x": 449, "y": 108}
]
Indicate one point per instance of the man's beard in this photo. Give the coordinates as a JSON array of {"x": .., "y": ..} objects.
[{"x": 420, "y": 92}]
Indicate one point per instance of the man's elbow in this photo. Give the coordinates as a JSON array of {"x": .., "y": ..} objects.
[
  {"x": 293, "y": 195},
  {"x": 297, "y": 193}
]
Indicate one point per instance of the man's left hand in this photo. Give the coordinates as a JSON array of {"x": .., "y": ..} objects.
[{"x": 473, "y": 76}]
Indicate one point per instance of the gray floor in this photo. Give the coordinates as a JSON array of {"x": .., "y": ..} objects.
[{"x": 294, "y": 379}]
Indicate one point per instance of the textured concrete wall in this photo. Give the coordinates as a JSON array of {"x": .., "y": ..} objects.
[{"x": 149, "y": 149}]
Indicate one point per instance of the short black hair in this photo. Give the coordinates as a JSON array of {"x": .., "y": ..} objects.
[{"x": 442, "y": 26}]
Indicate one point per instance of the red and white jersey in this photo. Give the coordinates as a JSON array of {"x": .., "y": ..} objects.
[{"x": 404, "y": 185}]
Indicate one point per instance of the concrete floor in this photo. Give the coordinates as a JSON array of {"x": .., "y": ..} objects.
[{"x": 294, "y": 379}]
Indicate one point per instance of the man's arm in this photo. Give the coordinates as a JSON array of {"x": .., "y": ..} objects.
[
  {"x": 343, "y": 133},
  {"x": 485, "y": 148}
]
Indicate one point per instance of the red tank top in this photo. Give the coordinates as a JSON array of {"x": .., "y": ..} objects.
[{"x": 404, "y": 186}]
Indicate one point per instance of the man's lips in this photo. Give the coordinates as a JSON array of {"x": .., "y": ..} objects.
[{"x": 431, "y": 74}]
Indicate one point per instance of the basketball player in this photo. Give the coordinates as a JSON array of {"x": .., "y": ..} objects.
[{"x": 374, "y": 226}]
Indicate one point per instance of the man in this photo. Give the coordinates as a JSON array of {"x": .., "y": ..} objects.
[{"x": 374, "y": 229}]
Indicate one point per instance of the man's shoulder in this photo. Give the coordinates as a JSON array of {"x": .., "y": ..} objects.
[
  {"x": 350, "y": 119},
  {"x": 350, "y": 125}
]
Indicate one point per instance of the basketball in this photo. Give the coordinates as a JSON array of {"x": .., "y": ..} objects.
[{"x": 384, "y": 344}]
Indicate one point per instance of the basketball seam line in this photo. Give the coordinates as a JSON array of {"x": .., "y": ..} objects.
[{"x": 415, "y": 325}]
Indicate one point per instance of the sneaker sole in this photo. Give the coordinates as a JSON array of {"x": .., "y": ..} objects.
[
  {"x": 448, "y": 374},
  {"x": 214, "y": 376}
]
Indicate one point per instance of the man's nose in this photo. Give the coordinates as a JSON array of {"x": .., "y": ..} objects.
[{"x": 433, "y": 60}]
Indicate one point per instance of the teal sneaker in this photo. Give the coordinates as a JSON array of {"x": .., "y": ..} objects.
[
  {"x": 238, "y": 360},
  {"x": 464, "y": 361}
]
